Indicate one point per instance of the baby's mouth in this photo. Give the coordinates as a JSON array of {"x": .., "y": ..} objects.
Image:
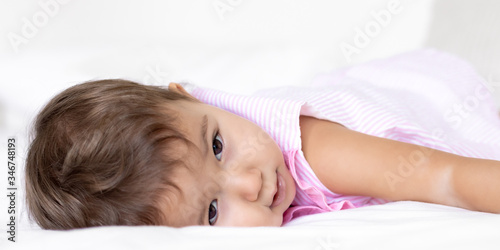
[{"x": 279, "y": 196}]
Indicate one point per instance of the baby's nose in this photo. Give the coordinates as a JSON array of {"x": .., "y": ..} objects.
[{"x": 247, "y": 184}]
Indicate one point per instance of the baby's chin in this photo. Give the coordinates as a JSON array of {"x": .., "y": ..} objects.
[{"x": 277, "y": 221}]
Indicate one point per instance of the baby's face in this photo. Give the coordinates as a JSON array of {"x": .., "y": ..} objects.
[{"x": 237, "y": 178}]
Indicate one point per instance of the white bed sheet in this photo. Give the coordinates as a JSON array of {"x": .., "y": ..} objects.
[
  {"x": 399, "y": 225},
  {"x": 237, "y": 55}
]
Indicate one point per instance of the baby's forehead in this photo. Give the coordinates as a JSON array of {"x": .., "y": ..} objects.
[
  {"x": 183, "y": 203},
  {"x": 195, "y": 187},
  {"x": 176, "y": 209}
]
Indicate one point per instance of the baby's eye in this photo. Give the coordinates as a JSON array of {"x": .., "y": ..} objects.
[
  {"x": 212, "y": 213},
  {"x": 217, "y": 146}
]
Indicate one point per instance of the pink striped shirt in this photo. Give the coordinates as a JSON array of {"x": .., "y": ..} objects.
[{"x": 425, "y": 97}]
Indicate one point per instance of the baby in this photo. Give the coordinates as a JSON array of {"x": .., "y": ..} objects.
[{"x": 115, "y": 152}]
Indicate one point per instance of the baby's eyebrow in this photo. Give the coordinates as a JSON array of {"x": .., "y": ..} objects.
[
  {"x": 201, "y": 212},
  {"x": 203, "y": 132},
  {"x": 194, "y": 206},
  {"x": 204, "y": 126},
  {"x": 201, "y": 217}
]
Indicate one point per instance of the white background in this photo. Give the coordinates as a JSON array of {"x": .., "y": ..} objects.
[{"x": 235, "y": 45}]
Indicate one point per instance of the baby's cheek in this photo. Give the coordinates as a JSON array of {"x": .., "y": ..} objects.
[
  {"x": 249, "y": 216},
  {"x": 265, "y": 139},
  {"x": 261, "y": 220}
]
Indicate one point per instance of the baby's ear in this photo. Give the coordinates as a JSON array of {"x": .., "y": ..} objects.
[{"x": 175, "y": 87}]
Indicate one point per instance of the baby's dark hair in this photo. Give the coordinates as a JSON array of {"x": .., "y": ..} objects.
[{"x": 99, "y": 156}]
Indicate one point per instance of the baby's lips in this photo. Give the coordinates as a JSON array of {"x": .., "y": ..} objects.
[{"x": 279, "y": 196}]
